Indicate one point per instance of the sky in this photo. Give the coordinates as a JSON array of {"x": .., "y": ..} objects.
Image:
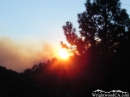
[{"x": 31, "y": 30}]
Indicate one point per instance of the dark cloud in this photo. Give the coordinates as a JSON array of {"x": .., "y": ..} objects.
[{"x": 21, "y": 55}]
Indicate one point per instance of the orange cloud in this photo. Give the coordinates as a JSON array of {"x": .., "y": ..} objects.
[{"x": 21, "y": 55}]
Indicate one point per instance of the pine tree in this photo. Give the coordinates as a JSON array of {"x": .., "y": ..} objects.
[{"x": 104, "y": 27}]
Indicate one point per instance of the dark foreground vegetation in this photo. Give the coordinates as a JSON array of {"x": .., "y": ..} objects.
[
  {"x": 79, "y": 81},
  {"x": 101, "y": 58}
]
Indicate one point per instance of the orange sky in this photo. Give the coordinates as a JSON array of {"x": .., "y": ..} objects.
[
  {"x": 28, "y": 25},
  {"x": 21, "y": 55}
]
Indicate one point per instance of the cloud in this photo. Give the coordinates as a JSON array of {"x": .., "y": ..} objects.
[{"x": 23, "y": 54}]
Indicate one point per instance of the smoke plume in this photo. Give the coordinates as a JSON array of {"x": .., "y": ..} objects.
[{"x": 21, "y": 55}]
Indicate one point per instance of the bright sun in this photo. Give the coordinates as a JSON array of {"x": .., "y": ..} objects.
[{"x": 63, "y": 53}]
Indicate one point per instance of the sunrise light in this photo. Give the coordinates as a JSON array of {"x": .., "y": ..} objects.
[{"x": 63, "y": 53}]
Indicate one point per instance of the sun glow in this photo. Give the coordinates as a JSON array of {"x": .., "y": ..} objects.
[{"x": 63, "y": 53}]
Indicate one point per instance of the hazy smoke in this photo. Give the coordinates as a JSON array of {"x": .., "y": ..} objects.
[{"x": 21, "y": 55}]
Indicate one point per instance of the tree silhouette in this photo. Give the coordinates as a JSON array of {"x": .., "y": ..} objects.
[
  {"x": 104, "y": 41},
  {"x": 101, "y": 58},
  {"x": 104, "y": 27},
  {"x": 77, "y": 43}
]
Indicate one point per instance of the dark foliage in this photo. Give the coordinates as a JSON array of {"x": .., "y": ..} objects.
[
  {"x": 40, "y": 81},
  {"x": 101, "y": 58},
  {"x": 104, "y": 27},
  {"x": 105, "y": 39}
]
